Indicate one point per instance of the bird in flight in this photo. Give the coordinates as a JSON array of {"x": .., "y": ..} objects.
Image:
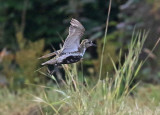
[{"x": 72, "y": 50}]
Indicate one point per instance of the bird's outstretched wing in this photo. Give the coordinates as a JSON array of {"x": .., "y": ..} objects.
[
  {"x": 76, "y": 31},
  {"x": 50, "y": 54}
]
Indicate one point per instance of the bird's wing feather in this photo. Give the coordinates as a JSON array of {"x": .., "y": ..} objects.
[
  {"x": 50, "y": 54},
  {"x": 76, "y": 31}
]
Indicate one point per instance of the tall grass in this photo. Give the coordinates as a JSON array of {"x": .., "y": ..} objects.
[{"x": 107, "y": 97}]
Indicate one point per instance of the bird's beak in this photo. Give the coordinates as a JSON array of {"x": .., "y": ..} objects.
[{"x": 94, "y": 45}]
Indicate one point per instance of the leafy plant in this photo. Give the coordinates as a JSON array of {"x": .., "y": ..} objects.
[{"x": 19, "y": 67}]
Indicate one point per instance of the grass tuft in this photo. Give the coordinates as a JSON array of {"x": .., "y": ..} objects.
[{"x": 108, "y": 96}]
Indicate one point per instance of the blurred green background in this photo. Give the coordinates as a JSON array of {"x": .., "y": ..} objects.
[{"x": 30, "y": 28}]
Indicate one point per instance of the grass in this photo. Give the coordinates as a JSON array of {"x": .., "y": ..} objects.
[
  {"x": 111, "y": 95},
  {"x": 18, "y": 103},
  {"x": 145, "y": 102}
]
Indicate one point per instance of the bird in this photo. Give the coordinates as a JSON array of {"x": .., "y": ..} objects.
[{"x": 72, "y": 50}]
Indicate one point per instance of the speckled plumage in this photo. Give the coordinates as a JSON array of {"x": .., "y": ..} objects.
[{"x": 72, "y": 51}]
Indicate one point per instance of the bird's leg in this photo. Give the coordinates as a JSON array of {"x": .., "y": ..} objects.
[
  {"x": 51, "y": 72},
  {"x": 56, "y": 66},
  {"x": 81, "y": 59}
]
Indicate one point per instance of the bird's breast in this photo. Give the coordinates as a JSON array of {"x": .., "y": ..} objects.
[{"x": 71, "y": 59}]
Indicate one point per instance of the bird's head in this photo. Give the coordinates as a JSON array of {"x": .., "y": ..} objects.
[{"x": 87, "y": 43}]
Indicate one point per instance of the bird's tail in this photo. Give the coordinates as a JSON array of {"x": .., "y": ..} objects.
[{"x": 49, "y": 62}]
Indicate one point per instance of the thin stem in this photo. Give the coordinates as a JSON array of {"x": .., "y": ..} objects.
[{"x": 105, "y": 39}]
